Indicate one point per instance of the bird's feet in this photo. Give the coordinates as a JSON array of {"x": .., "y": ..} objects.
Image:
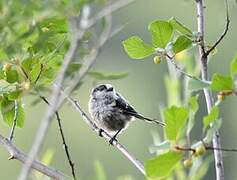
[
  {"x": 112, "y": 140},
  {"x": 100, "y": 132}
]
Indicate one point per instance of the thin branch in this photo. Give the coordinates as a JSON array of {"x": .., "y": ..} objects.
[
  {"x": 178, "y": 68},
  {"x": 221, "y": 149},
  {"x": 207, "y": 148},
  {"x": 185, "y": 149},
  {"x": 22, "y": 157},
  {"x": 94, "y": 127},
  {"x": 223, "y": 33},
  {"x": 41, "y": 69},
  {"x": 14, "y": 121},
  {"x": 71, "y": 164},
  {"x": 219, "y": 167}
]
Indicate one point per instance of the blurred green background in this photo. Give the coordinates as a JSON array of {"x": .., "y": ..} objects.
[{"x": 144, "y": 88}]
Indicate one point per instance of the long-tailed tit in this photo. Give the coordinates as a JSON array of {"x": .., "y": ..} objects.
[{"x": 111, "y": 112}]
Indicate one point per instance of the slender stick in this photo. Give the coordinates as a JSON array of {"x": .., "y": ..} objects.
[
  {"x": 178, "y": 68},
  {"x": 224, "y": 32},
  {"x": 22, "y": 157},
  {"x": 71, "y": 164},
  {"x": 14, "y": 121},
  {"x": 206, "y": 147},
  {"x": 208, "y": 96}
]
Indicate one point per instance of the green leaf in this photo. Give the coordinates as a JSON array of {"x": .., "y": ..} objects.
[
  {"x": 161, "y": 32},
  {"x": 100, "y": 172},
  {"x": 14, "y": 95},
  {"x": 2, "y": 74},
  {"x": 102, "y": 76},
  {"x": 136, "y": 48},
  {"x": 194, "y": 84},
  {"x": 8, "y": 113},
  {"x": 193, "y": 108},
  {"x": 180, "y": 27},
  {"x": 175, "y": 119},
  {"x": 6, "y": 87},
  {"x": 221, "y": 83},
  {"x": 35, "y": 72},
  {"x": 56, "y": 25},
  {"x": 213, "y": 115},
  {"x": 233, "y": 66},
  {"x": 162, "y": 165},
  {"x": 181, "y": 43}
]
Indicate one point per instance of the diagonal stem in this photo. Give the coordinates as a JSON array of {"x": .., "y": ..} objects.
[{"x": 72, "y": 166}]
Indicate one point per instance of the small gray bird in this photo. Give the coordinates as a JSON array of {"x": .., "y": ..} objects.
[{"x": 111, "y": 112}]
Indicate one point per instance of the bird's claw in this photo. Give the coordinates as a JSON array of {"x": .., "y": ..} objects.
[
  {"x": 112, "y": 140},
  {"x": 100, "y": 132}
]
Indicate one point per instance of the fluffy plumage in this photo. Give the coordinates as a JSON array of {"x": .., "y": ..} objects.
[{"x": 110, "y": 111}]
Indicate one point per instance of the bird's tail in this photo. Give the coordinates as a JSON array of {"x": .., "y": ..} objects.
[{"x": 149, "y": 120}]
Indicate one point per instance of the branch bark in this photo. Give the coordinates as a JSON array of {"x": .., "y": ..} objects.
[
  {"x": 22, "y": 157},
  {"x": 208, "y": 96}
]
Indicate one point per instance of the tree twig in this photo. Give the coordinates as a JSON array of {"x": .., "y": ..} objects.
[
  {"x": 221, "y": 149},
  {"x": 14, "y": 121},
  {"x": 178, "y": 68},
  {"x": 223, "y": 33},
  {"x": 207, "y": 147},
  {"x": 94, "y": 127},
  {"x": 71, "y": 164},
  {"x": 41, "y": 69},
  {"x": 219, "y": 167},
  {"x": 22, "y": 157}
]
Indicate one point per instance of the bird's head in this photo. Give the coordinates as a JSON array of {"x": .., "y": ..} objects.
[{"x": 102, "y": 90}]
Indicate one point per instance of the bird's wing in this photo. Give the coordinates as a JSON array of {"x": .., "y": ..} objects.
[{"x": 124, "y": 106}]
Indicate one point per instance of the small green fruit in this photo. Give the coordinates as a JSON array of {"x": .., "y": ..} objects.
[
  {"x": 7, "y": 67},
  {"x": 27, "y": 85},
  {"x": 157, "y": 59},
  {"x": 188, "y": 163},
  {"x": 200, "y": 150}
]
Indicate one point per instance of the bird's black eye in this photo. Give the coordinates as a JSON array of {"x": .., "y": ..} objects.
[{"x": 101, "y": 88}]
